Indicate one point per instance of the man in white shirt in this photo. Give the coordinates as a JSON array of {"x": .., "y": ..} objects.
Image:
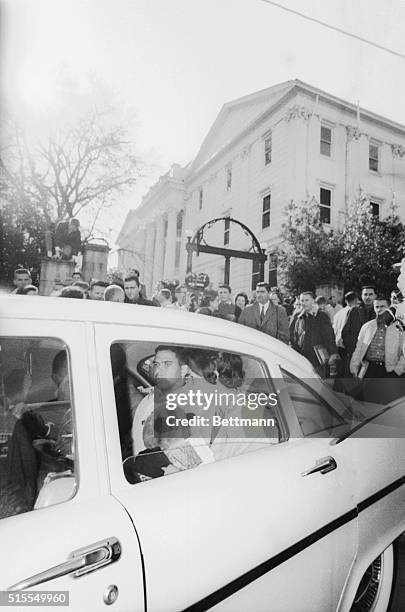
[
  {"x": 340, "y": 317},
  {"x": 169, "y": 371}
]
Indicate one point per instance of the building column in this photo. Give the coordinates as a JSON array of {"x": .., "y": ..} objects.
[
  {"x": 158, "y": 252},
  {"x": 169, "y": 262},
  {"x": 148, "y": 258}
]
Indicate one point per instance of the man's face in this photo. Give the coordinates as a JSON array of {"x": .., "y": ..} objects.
[
  {"x": 167, "y": 371},
  {"x": 307, "y": 302},
  {"x": 22, "y": 280},
  {"x": 333, "y": 300},
  {"x": 131, "y": 290},
  {"x": 76, "y": 276},
  {"x": 223, "y": 294},
  {"x": 97, "y": 293},
  {"x": 380, "y": 306},
  {"x": 368, "y": 296},
  {"x": 262, "y": 295}
]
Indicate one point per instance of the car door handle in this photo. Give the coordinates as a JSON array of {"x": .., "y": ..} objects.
[
  {"x": 80, "y": 562},
  {"x": 325, "y": 465}
]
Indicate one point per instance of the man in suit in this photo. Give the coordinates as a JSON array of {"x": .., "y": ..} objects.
[{"x": 266, "y": 316}]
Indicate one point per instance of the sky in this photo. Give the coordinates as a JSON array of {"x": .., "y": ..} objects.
[{"x": 172, "y": 64}]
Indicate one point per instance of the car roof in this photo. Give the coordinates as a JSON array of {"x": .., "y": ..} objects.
[{"x": 97, "y": 311}]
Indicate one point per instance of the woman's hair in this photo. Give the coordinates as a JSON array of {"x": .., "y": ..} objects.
[
  {"x": 203, "y": 363},
  {"x": 230, "y": 370},
  {"x": 244, "y": 296}
]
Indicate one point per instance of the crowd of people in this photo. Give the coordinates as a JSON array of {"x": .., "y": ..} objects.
[{"x": 359, "y": 339}]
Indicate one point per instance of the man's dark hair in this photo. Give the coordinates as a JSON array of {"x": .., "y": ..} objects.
[
  {"x": 77, "y": 272},
  {"x": 350, "y": 297},
  {"x": 224, "y": 286},
  {"x": 369, "y": 287},
  {"x": 21, "y": 271},
  {"x": 265, "y": 285},
  {"x": 128, "y": 279},
  {"x": 320, "y": 300},
  {"x": 177, "y": 350},
  {"x": 381, "y": 298},
  {"x": 71, "y": 292},
  {"x": 98, "y": 283},
  {"x": 81, "y": 284},
  {"x": 308, "y": 293}
]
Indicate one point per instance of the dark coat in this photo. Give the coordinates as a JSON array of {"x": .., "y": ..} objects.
[
  {"x": 355, "y": 320},
  {"x": 275, "y": 322},
  {"x": 141, "y": 301},
  {"x": 63, "y": 237},
  {"x": 307, "y": 331}
]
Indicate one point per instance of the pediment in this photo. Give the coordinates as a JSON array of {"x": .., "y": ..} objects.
[{"x": 235, "y": 117}]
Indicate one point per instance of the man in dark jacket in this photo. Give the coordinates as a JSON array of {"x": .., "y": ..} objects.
[
  {"x": 355, "y": 320},
  {"x": 68, "y": 238},
  {"x": 311, "y": 334},
  {"x": 133, "y": 292}
]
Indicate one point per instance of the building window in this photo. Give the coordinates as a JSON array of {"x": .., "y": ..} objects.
[
  {"x": 266, "y": 211},
  {"x": 255, "y": 273},
  {"x": 325, "y": 200},
  {"x": 267, "y": 149},
  {"x": 200, "y": 198},
  {"x": 373, "y": 155},
  {"x": 229, "y": 178},
  {"x": 375, "y": 209},
  {"x": 326, "y": 141},
  {"x": 273, "y": 260},
  {"x": 226, "y": 230}
]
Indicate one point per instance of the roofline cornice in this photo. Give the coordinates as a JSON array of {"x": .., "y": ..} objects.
[{"x": 299, "y": 87}]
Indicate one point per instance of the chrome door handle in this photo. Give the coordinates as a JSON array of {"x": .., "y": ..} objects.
[
  {"x": 325, "y": 465},
  {"x": 80, "y": 562}
]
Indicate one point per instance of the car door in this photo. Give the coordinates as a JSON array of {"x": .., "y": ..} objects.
[
  {"x": 78, "y": 538},
  {"x": 250, "y": 532}
]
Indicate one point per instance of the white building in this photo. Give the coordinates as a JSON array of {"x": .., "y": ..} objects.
[{"x": 288, "y": 142}]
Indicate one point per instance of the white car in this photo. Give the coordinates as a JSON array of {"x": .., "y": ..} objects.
[{"x": 299, "y": 514}]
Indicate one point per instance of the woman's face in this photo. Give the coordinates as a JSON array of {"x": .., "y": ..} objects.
[{"x": 241, "y": 302}]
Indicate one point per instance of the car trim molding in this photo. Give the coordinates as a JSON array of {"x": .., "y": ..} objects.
[
  {"x": 260, "y": 570},
  {"x": 366, "y": 503}
]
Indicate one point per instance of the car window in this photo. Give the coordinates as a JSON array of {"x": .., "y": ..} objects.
[
  {"x": 198, "y": 406},
  {"x": 37, "y": 446},
  {"x": 314, "y": 413}
]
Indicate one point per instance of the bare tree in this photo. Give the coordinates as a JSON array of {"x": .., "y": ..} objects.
[{"x": 84, "y": 167}]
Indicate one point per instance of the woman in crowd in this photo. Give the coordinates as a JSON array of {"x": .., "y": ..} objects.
[{"x": 241, "y": 301}]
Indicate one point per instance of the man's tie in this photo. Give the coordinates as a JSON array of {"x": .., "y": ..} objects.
[{"x": 261, "y": 313}]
